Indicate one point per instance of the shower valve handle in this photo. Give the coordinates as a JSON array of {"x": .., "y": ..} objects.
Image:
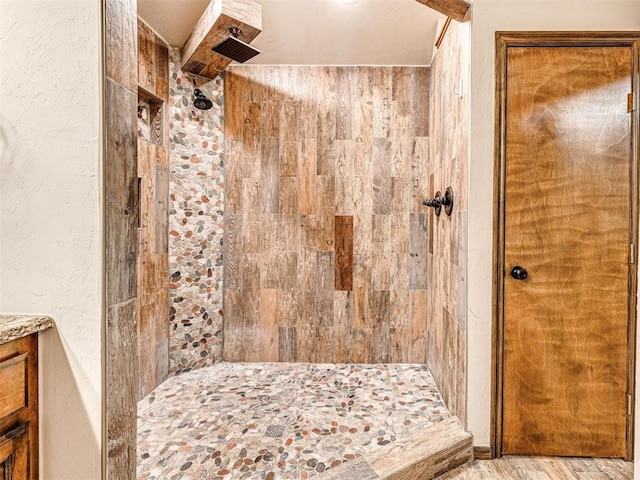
[{"x": 440, "y": 201}]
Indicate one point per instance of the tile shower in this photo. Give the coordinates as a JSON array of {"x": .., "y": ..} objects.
[{"x": 299, "y": 170}]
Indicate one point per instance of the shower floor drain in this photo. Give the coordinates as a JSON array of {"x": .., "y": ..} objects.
[{"x": 274, "y": 431}]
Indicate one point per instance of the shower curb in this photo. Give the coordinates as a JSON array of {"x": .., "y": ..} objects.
[{"x": 423, "y": 455}]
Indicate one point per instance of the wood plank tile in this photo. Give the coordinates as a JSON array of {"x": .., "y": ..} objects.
[
  {"x": 432, "y": 215},
  {"x": 362, "y": 105},
  {"x": 418, "y": 326},
  {"x": 324, "y": 288},
  {"x": 326, "y": 213},
  {"x": 306, "y": 273},
  {"x": 287, "y": 344},
  {"x": 419, "y": 176},
  {"x": 362, "y": 286},
  {"x": 381, "y": 271},
  {"x": 289, "y": 152},
  {"x": 325, "y": 346},
  {"x": 121, "y": 43},
  {"x": 401, "y": 121},
  {"x": 339, "y": 345},
  {"x": 288, "y": 196},
  {"x": 250, "y": 200},
  {"x": 399, "y": 271},
  {"x": 233, "y": 112},
  {"x": 162, "y": 68},
  {"x": 344, "y": 253},
  {"x": 398, "y": 351},
  {"x": 344, "y": 194},
  {"x": 121, "y": 389},
  {"x": 420, "y": 103},
  {"x": 382, "y": 98},
  {"x": 344, "y": 103},
  {"x": 327, "y": 121},
  {"x": 308, "y": 119},
  {"x": 380, "y": 338},
  {"x": 233, "y": 174},
  {"x": 289, "y": 305},
  {"x": 308, "y": 232},
  {"x": 509, "y": 467},
  {"x": 146, "y": 58},
  {"x": 251, "y": 133},
  {"x": 233, "y": 250},
  {"x": 270, "y": 119},
  {"x": 402, "y": 150},
  {"x": 289, "y": 121},
  {"x": 253, "y": 84},
  {"x": 363, "y": 222},
  {"x": 381, "y": 163},
  {"x": 121, "y": 179},
  {"x": 270, "y": 176},
  {"x": 360, "y": 345},
  {"x": 307, "y": 202},
  {"x": 418, "y": 250},
  {"x": 161, "y": 214},
  {"x": 269, "y": 333}
]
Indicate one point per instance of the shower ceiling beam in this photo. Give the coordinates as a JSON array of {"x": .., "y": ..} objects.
[
  {"x": 456, "y": 9},
  {"x": 213, "y": 27}
]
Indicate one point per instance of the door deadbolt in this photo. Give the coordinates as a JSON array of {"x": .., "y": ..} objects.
[{"x": 519, "y": 273}]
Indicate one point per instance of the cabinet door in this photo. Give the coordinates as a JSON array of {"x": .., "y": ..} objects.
[
  {"x": 7, "y": 451},
  {"x": 14, "y": 454}
]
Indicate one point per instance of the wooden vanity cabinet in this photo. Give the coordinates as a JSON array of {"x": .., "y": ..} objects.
[{"x": 19, "y": 409}]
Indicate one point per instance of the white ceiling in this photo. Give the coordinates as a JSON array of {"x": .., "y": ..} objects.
[{"x": 318, "y": 32}]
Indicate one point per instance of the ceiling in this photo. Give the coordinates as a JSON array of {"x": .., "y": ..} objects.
[{"x": 318, "y": 32}]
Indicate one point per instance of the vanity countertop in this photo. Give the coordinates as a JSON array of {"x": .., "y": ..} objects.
[{"x": 16, "y": 326}]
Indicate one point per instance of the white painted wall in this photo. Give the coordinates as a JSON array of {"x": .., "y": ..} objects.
[
  {"x": 50, "y": 214},
  {"x": 488, "y": 17}
]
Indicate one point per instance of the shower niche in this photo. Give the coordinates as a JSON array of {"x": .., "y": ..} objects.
[{"x": 150, "y": 118}]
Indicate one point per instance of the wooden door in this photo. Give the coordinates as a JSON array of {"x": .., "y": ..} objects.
[{"x": 567, "y": 208}]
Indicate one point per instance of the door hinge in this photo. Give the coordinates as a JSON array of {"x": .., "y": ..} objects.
[
  {"x": 629, "y": 404},
  {"x": 632, "y": 254},
  {"x": 632, "y": 102}
]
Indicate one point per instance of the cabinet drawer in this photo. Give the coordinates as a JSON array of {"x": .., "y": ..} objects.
[{"x": 13, "y": 378}]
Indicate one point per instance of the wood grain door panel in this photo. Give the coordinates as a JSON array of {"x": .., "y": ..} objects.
[{"x": 567, "y": 222}]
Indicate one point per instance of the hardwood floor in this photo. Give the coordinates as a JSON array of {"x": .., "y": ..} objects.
[{"x": 543, "y": 468}]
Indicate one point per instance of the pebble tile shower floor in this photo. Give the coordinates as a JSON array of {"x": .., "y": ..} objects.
[{"x": 279, "y": 420}]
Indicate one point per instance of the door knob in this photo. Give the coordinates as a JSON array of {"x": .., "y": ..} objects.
[{"x": 519, "y": 273}]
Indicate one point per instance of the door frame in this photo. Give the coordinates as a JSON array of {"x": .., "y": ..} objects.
[{"x": 504, "y": 40}]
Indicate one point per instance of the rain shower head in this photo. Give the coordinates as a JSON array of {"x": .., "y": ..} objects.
[
  {"x": 234, "y": 48},
  {"x": 201, "y": 102}
]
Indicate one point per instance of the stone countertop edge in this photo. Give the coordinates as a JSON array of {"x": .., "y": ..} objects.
[{"x": 17, "y": 326}]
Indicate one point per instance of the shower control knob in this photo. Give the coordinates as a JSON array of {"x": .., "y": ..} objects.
[{"x": 519, "y": 273}]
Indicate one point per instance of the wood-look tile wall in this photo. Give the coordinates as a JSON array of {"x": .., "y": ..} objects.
[
  {"x": 326, "y": 236},
  {"x": 153, "y": 175},
  {"x": 121, "y": 236},
  {"x": 446, "y": 307}
]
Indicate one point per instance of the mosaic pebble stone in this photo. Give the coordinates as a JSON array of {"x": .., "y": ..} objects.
[
  {"x": 196, "y": 220},
  {"x": 215, "y": 422}
]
